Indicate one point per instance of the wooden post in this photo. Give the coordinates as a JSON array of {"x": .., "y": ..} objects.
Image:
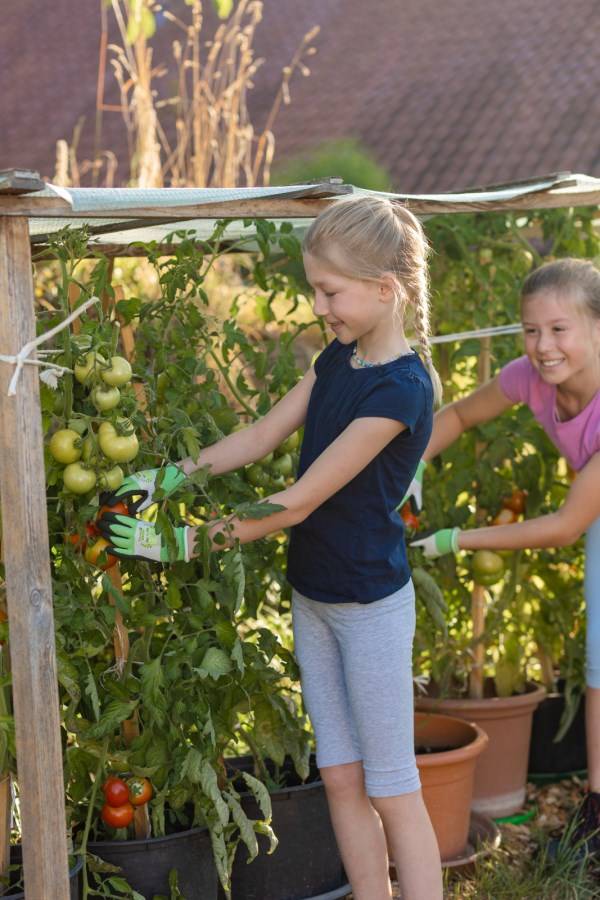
[
  {"x": 478, "y": 597},
  {"x": 28, "y": 584}
]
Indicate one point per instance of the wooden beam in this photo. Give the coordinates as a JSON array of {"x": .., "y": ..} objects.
[
  {"x": 28, "y": 584},
  {"x": 259, "y": 208}
]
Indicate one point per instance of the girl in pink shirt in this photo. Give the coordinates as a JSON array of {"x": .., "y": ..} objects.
[{"x": 559, "y": 379}]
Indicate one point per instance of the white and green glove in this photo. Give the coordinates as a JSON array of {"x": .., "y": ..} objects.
[
  {"x": 439, "y": 543},
  {"x": 131, "y": 538},
  {"x": 143, "y": 485},
  {"x": 415, "y": 489}
]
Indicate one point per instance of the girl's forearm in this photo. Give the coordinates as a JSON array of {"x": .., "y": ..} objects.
[
  {"x": 552, "y": 530},
  {"x": 230, "y": 453},
  {"x": 247, "y": 530},
  {"x": 447, "y": 427}
]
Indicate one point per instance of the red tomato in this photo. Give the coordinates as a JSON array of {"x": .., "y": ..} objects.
[
  {"x": 408, "y": 517},
  {"x": 505, "y": 517},
  {"x": 140, "y": 791},
  {"x": 92, "y": 554},
  {"x": 117, "y": 816},
  {"x": 516, "y": 501},
  {"x": 80, "y": 543},
  {"x": 115, "y": 791},
  {"x": 118, "y": 507}
]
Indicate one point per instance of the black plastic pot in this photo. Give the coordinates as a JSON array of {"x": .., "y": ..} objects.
[
  {"x": 306, "y": 865},
  {"x": 16, "y": 858},
  {"x": 146, "y": 864},
  {"x": 569, "y": 754}
]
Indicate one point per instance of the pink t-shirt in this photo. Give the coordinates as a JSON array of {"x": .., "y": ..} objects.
[{"x": 578, "y": 438}]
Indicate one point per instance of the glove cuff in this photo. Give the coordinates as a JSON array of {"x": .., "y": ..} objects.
[
  {"x": 420, "y": 470},
  {"x": 181, "y": 535},
  {"x": 454, "y": 535}
]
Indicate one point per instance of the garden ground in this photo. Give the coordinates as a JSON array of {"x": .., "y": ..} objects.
[{"x": 516, "y": 870}]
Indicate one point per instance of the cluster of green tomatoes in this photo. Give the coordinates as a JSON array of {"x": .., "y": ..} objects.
[
  {"x": 274, "y": 471},
  {"x": 91, "y": 458}
]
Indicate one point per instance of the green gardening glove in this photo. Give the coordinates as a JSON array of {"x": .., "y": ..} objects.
[
  {"x": 415, "y": 489},
  {"x": 439, "y": 543},
  {"x": 144, "y": 484},
  {"x": 131, "y": 538}
]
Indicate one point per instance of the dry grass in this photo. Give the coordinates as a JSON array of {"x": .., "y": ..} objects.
[{"x": 213, "y": 141}]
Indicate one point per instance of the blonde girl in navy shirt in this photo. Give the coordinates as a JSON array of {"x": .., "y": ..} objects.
[{"x": 366, "y": 406}]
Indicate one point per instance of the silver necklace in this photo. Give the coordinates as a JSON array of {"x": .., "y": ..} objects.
[{"x": 362, "y": 363}]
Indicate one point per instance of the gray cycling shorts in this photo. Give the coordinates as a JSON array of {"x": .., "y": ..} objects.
[{"x": 356, "y": 671}]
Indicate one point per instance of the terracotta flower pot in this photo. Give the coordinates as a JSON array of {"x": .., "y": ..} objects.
[
  {"x": 447, "y": 776},
  {"x": 501, "y": 771}
]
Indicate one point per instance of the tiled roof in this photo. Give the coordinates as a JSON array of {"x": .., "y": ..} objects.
[{"x": 445, "y": 93}]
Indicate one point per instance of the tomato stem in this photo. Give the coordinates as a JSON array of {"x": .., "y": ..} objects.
[{"x": 88, "y": 819}]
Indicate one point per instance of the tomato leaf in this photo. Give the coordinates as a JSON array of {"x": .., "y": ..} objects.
[{"x": 92, "y": 691}]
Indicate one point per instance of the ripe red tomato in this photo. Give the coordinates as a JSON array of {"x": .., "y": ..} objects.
[
  {"x": 117, "y": 816},
  {"x": 505, "y": 517},
  {"x": 408, "y": 517},
  {"x": 140, "y": 791},
  {"x": 516, "y": 501},
  {"x": 80, "y": 543},
  {"x": 118, "y": 507},
  {"x": 115, "y": 791}
]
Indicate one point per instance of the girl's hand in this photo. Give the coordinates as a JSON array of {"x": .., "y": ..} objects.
[
  {"x": 132, "y": 538},
  {"x": 415, "y": 489},
  {"x": 143, "y": 485},
  {"x": 439, "y": 543}
]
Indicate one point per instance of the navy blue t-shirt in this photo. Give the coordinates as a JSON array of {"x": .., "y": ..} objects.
[{"x": 351, "y": 548}]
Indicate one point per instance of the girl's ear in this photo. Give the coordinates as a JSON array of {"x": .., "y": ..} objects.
[{"x": 388, "y": 287}]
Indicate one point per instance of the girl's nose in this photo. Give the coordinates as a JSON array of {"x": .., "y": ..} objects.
[
  {"x": 544, "y": 341},
  {"x": 320, "y": 304}
]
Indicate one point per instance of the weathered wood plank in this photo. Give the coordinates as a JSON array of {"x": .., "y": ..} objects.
[
  {"x": 28, "y": 583},
  {"x": 50, "y": 207},
  {"x": 20, "y": 181}
]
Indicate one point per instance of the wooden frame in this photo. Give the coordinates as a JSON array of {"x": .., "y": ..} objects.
[{"x": 23, "y": 491}]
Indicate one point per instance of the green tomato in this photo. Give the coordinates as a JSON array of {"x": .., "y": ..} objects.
[
  {"x": 266, "y": 460},
  {"x": 63, "y": 446},
  {"x": 77, "y": 479},
  {"x": 283, "y": 465},
  {"x": 256, "y": 475},
  {"x": 119, "y": 447},
  {"x": 291, "y": 443},
  {"x": 86, "y": 370},
  {"x": 118, "y": 373},
  {"x": 105, "y": 398},
  {"x": 111, "y": 479},
  {"x": 278, "y": 483},
  {"x": 487, "y": 567}
]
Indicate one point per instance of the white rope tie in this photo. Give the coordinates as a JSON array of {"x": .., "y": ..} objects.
[{"x": 21, "y": 359}]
